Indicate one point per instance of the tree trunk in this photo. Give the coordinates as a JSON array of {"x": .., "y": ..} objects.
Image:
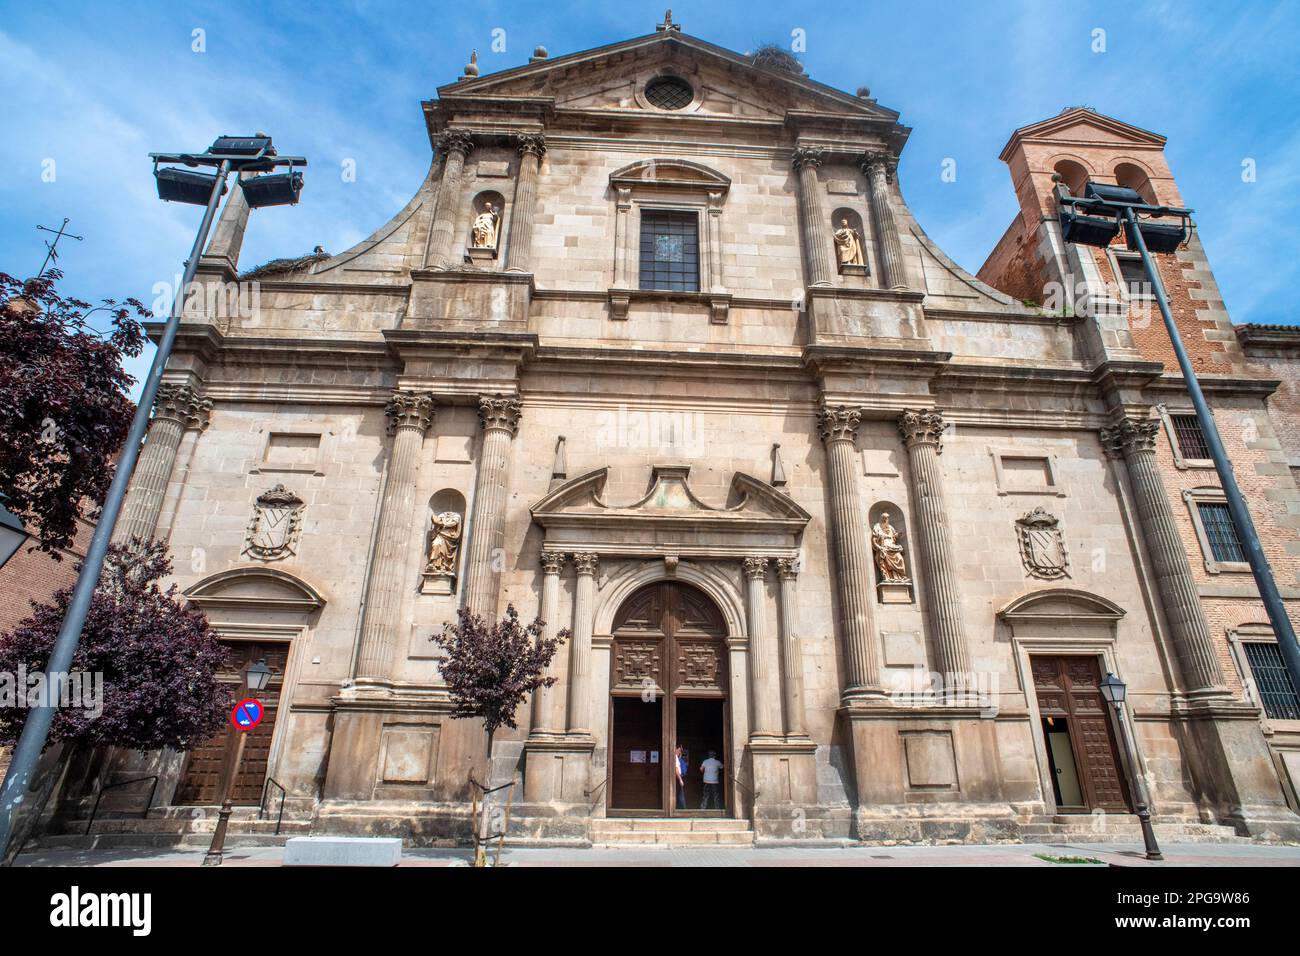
[
  {"x": 480, "y": 844},
  {"x": 28, "y": 821}
]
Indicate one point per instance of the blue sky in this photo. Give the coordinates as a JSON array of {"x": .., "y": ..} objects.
[{"x": 94, "y": 87}]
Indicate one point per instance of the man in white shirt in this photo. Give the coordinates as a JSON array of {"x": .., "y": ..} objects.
[{"x": 712, "y": 770}]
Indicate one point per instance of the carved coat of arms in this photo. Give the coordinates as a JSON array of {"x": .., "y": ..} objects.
[
  {"x": 277, "y": 519},
  {"x": 1042, "y": 545}
]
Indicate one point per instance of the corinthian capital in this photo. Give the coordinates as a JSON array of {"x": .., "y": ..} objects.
[
  {"x": 530, "y": 143},
  {"x": 838, "y": 423},
  {"x": 454, "y": 141},
  {"x": 499, "y": 412},
  {"x": 920, "y": 428},
  {"x": 755, "y": 567},
  {"x": 410, "y": 409},
  {"x": 180, "y": 403},
  {"x": 585, "y": 562},
  {"x": 552, "y": 561},
  {"x": 787, "y": 569},
  {"x": 879, "y": 163},
  {"x": 1129, "y": 435},
  {"x": 808, "y": 156}
]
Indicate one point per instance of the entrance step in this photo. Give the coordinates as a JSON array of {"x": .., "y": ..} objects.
[
  {"x": 671, "y": 831},
  {"x": 173, "y": 827},
  {"x": 1120, "y": 828}
]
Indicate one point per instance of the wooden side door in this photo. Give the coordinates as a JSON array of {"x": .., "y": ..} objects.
[
  {"x": 1069, "y": 690},
  {"x": 210, "y": 763}
]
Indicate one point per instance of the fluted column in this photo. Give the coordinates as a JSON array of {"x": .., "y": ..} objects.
[
  {"x": 922, "y": 432},
  {"x": 409, "y": 414},
  {"x": 787, "y": 571},
  {"x": 839, "y": 429},
  {"x": 499, "y": 416},
  {"x": 455, "y": 146},
  {"x": 519, "y": 245},
  {"x": 580, "y": 649},
  {"x": 548, "y": 702},
  {"x": 879, "y": 171},
  {"x": 763, "y": 688},
  {"x": 817, "y": 240},
  {"x": 176, "y": 408},
  {"x": 1134, "y": 439}
]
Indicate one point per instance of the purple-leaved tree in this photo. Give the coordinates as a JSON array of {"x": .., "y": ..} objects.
[
  {"x": 158, "y": 659},
  {"x": 490, "y": 669}
]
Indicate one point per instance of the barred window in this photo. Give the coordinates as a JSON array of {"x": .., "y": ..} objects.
[
  {"x": 670, "y": 251},
  {"x": 669, "y": 93},
  {"x": 1133, "y": 276},
  {"x": 1191, "y": 439},
  {"x": 1272, "y": 682},
  {"x": 1219, "y": 531}
]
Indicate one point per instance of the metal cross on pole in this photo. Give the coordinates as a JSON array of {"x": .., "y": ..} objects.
[{"x": 51, "y": 247}]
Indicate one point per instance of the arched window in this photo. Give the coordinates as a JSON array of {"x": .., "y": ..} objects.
[
  {"x": 1136, "y": 178},
  {"x": 1073, "y": 175}
]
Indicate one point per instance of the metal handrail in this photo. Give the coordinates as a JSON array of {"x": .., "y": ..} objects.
[
  {"x": 261, "y": 807},
  {"x": 596, "y": 789},
  {"x": 736, "y": 781},
  {"x": 153, "y": 792}
]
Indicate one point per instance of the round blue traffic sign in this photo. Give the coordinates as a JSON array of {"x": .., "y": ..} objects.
[{"x": 247, "y": 714}]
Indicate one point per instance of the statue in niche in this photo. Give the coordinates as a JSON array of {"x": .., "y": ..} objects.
[
  {"x": 848, "y": 243},
  {"x": 444, "y": 546},
  {"x": 889, "y": 551},
  {"x": 483, "y": 234}
]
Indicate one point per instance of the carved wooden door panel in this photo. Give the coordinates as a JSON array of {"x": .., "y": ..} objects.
[
  {"x": 1068, "y": 689},
  {"x": 210, "y": 762}
]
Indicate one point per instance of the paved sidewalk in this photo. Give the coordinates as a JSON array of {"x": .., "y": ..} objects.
[{"x": 1176, "y": 854}]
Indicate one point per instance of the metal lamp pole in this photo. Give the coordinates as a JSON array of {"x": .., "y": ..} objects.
[
  {"x": 1241, "y": 520},
  {"x": 37, "y": 726},
  {"x": 1141, "y": 803}
]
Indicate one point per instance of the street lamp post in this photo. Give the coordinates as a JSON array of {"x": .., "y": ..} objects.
[
  {"x": 227, "y": 154},
  {"x": 1095, "y": 220},
  {"x": 255, "y": 678},
  {"x": 1115, "y": 690}
]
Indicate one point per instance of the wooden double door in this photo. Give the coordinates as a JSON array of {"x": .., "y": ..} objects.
[
  {"x": 1079, "y": 735},
  {"x": 668, "y": 685},
  {"x": 212, "y": 762}
]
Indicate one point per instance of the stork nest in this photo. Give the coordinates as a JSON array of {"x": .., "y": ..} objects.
[
  {"x": 287, "y": 266},
  {"x": 772, "y": 56}
]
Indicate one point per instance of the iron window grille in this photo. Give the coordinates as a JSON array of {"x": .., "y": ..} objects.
[
  {"x": 1191, "y": 439},
  {"x": 1220, "y": 532},
  {"x": 669, "y": 93},
  {"x": 1133, "y": 277},
  {"x": 1272, "y": 682},
  {"x": 670, "y": 251}
]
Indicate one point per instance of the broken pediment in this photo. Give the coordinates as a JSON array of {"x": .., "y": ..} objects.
[{"x": 670, "y": 518}]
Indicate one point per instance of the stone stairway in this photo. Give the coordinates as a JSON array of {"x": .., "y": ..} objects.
[
  {"x": 677, "y": 832},
  {"x": 180, "y": 827},
  {"x": 1119, "y": 828}
]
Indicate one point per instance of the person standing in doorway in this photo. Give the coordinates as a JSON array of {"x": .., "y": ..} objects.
[
  {"x": 712, "y": 770},
  {"x": 680, "y": 769}
]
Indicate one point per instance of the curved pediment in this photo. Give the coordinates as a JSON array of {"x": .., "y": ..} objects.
[
  {"x": 1063, "y": 605},
  {"x": 267, "y": 588},
  {"x": 670, "y": 518},
  {"x": 672, "y": 173}
]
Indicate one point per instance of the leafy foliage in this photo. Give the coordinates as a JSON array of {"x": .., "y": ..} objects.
[
  {"x": 491, "y": 668},
  {"x": 159, "y": 659},
  {"x": 64, "y": 410}
]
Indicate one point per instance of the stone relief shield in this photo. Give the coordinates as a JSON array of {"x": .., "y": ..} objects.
[
  {"x": 1042, "y": 545},
  {"x": 274, "y": 529}
]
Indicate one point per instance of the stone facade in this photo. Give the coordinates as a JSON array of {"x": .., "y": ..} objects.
[{"x": 738, "y": 437}]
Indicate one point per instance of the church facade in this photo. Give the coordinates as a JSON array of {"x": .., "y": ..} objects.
[{"x": 657, "y": 353}]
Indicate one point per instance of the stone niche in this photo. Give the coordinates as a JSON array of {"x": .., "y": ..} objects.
[{"x": 891, "y": 591}]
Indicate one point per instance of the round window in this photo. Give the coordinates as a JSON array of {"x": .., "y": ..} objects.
[{"x": 669, "y": 93}]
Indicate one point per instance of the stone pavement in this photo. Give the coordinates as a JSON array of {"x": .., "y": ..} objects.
[{"x": 1176, "y": 854}]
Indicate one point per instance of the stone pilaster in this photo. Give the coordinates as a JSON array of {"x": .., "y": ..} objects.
[
  {"x": 1134, "y": 440},
  {"x": 763, "y": 687},
  {"x": 817, "y": 240},
  {"x": 787, "y": 572},
  {"x": 410, "y": 414},
  {"x": 548, "y": 702},
  {"x": 580, "y": 650},
  {"x": 176, "y": 409},
  {"x": 499, "y": 416},
  {"x": 455, "y": 146},
  {"x": 923, "y": 433},
  {"x": 519, "y": 245},
  {"x": 879, "y": 171},
  {"x": 839, "y": 429}
]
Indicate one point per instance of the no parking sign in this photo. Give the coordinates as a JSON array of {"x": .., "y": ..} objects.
[{"x": 247, "y": 714}]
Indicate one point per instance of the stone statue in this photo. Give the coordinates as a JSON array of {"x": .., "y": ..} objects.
[
  {"x": 889, "y": 553},
  {"x": 484, "y": 231},
  {"x": 849, "y": 245},
  {"x": 445, "y": 545}
]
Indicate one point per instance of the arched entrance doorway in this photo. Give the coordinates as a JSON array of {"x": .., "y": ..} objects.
[{"x": 668, "y": 684}]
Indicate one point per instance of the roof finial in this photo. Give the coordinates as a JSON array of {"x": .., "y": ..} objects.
[
  {"x": 668, "y": 23},
  {"x": 471, "y": 68}
]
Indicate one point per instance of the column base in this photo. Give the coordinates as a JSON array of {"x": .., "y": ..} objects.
[{"x": 557, "y": 768}]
